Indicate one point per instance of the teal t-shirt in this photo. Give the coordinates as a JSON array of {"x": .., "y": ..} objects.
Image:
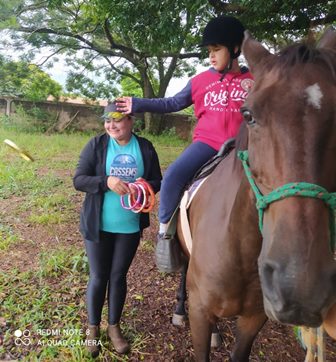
[{"x": 126, "y": 163}]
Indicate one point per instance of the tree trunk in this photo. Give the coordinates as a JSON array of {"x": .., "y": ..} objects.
[{"x": 153, "y": 123}]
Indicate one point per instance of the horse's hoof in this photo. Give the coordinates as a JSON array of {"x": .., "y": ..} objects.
[
  {"x": 216, "y": 340},
  {"x": 179, "y": 320}
]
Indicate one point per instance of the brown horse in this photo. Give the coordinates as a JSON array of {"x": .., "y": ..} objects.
[{"x": 277, "y": 260}]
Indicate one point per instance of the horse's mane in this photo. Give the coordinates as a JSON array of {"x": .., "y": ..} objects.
[{"x": 302, "y": 53}]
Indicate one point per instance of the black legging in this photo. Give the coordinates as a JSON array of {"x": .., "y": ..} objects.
[{"x": 109, "y": 261}]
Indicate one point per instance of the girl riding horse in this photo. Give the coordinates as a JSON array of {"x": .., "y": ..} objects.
[{"x": 263, "y": 235}]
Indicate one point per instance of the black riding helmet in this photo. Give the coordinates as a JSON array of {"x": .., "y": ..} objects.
[{"x": 224, "y": 30}]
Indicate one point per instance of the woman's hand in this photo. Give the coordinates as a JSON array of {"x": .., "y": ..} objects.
[
  {"x": 124, "y": 105},
  {"x": 117, "y": 185}
]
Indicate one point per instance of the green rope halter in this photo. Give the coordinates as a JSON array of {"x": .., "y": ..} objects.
[{"x": 301, "y": 189}]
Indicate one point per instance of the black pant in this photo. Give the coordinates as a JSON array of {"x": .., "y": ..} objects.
[{"x": 109, "y": 261}]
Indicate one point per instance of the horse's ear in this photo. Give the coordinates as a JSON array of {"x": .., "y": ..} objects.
[
  {"x": 328, "y": 39},
  {"x": 254, "y": 52}
]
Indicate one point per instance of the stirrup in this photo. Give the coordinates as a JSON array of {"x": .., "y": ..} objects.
[{"x": 168, "y": 254}]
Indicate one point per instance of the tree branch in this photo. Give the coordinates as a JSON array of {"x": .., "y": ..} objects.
[
  {"x": 328, "y": 19},
  {"x": 169, "y": 73},
  {"x": 51, "y": 55},
  {"x": 126, "y": 74},
  {"x": 189, "y": 55},
  {"x": 20, "y": 10},
  {"x": 103, "y": 51},
  {"x": 113, "y": 43}
]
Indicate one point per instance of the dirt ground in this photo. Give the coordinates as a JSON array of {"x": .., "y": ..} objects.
[
  {"x": 275, "y": 343},
  {"x": 154, "y": 307}
]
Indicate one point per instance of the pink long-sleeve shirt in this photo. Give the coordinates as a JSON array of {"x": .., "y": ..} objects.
[{"x": 217, "y": 104}]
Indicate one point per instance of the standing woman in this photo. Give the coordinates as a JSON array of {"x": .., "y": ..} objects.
[{"x": 106, "y": 165}]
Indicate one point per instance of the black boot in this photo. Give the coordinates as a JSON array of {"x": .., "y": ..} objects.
[{"x": 168, "y": 253}]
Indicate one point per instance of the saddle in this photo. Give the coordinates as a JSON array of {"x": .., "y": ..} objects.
[{"x": 210, "y": 165}]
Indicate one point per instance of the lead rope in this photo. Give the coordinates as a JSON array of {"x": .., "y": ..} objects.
[{"x": 301, "y": 189}]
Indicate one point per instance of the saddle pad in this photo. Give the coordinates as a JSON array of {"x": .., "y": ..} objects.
[{"x": 184, "y": 205}]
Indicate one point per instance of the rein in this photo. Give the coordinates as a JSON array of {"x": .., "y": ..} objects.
[{"x": 301, "y": 189}]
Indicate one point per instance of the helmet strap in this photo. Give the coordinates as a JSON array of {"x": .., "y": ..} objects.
[
  {"x": 226, "y": 70},
  {"x": 234, "y": 54}
]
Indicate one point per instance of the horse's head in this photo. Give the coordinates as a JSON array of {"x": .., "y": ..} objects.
[{"x": 291, "y": 118}]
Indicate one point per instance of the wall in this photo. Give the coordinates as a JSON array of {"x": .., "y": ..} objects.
[{"x": 84, "y": 117}]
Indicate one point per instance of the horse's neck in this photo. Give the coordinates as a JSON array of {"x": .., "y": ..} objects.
[
  {"x": 244, "y": 228},
  {"x": 240, "y": 217}
]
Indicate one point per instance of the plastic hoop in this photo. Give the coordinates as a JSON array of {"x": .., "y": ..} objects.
[
  {"x": 151, "y": 196},
  {"x": 144, "y": 201},
  {"x": 145, "y": 193},
  {"x": 137, "y": 201}
]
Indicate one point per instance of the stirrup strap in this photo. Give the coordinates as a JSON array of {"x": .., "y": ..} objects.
[{"x": 171, "y": 229}]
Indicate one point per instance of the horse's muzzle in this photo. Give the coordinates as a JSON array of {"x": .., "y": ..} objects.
[
  {"x": 291, "y": 298},
  {"x": 292, "y": 315}
]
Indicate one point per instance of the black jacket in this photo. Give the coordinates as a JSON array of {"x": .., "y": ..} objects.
[{"x": 90, "y": 177}]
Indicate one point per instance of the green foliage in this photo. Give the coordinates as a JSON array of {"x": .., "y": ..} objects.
[
  {"x": 148, "y": 42},
  {"x": 83, "y": 85},
  {"x": 50, "y": 218},
  {"x": 279, "y": 21},
  {"x": 7, "y": 237},
  {"x": 7, "y": 18},
  {"x": 26, "y": 80},
  {"x": 169, "y": 132},
  {"x": 188, "y": 111},
  {"x": 34, "y": 119},
  {"x": 38, "y": 85},
  {"x": 139, "y": 125},
  {"x": 23, "y": 180},
  {"x": 153, "y": 26},
  {"x": 57, "y": 262},
  {"x": 168, "y": 146},
  {"x": 107, "y": 41},
  {"x": 130, "y": 88},
  {"x": 286, "y": 20},
  {"x": 147, "y": 245}
]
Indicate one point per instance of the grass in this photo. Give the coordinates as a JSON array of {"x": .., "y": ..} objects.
[
  {"x": 49, "y": 293},
  {"x": 32, "y": 303},
  {"x": 147, "y": 245},
  {"x": 50, "y": 305},
  {"x": 168, "y": 147},
  {"x": 7, "y": 237}
]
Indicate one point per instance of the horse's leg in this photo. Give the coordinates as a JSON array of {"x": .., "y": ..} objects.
[
  {"x": 200, "y": 329},
  {"x": 247, "y": 329},
  {"x": 216, "y": 339},
  {"x": 180, "y": 315}
]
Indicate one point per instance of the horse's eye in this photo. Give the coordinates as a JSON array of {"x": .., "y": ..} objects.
[{"x": 247, "y": 116}]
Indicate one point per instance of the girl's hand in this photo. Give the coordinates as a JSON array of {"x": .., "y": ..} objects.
[
  {"x": 117, "y": 185},
  {"x": 124, "y": 105}
]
